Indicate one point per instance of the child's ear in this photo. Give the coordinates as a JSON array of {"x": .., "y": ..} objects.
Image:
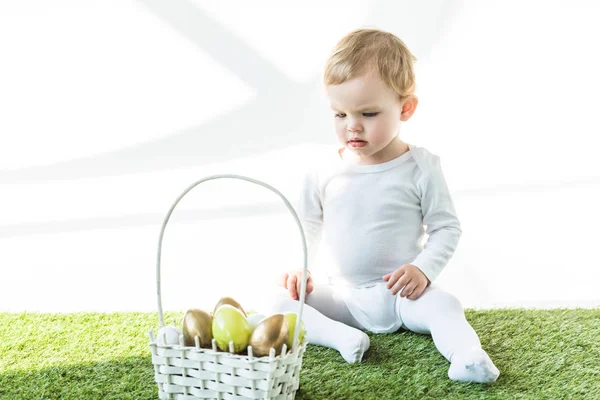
[{"x": 408, "y": 108}]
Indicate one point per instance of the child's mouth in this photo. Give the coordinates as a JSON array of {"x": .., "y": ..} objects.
[{"x": 357, "y": 143}]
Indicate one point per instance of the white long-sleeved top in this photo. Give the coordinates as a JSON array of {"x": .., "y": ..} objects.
[{"x": 371, "y": 219}]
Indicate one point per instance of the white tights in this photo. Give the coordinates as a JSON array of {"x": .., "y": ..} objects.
[{"x": 330, "y": 323}]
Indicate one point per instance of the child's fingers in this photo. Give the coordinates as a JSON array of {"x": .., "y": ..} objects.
[
  {"x": 283, "y": 279},
  {"x": 291, "y": 286},
  {"x": 417, "y": 292},
  {"x": 391, "y": 281},
  {"x": 298, "y": 286},
  {"x": 394, "y": 276},
  {"x": 400, "y": 284},
  {"x": 386, "y": 277},
  {"x": 309, "y": 285},
  {"x": 408, "y": 289}
]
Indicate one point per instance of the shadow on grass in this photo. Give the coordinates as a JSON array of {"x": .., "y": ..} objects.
[{"x": 130, "y": 378}]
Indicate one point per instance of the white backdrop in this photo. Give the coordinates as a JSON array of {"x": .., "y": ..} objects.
[{"x": 110, "y": 109}]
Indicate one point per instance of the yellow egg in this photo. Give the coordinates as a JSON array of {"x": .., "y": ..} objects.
[
  {"x": 197, "y": 322},
  {"x": 231, "y": 302},
  {"x": 291, "y": 319},
  {"x": 271, "y": 332},
  {"x": 230, "y": 325}
]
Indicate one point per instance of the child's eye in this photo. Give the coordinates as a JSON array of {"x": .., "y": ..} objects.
[
  {"x": 371, "y": 114},
  {"x": 340, "y": 115}
]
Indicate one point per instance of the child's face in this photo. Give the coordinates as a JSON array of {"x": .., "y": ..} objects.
[{"x": 365, "y": 108}]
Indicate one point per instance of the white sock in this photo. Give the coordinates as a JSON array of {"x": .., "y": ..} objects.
[
  {"x": 473, "y": 365},
  {"x": 352, "y": 343}
]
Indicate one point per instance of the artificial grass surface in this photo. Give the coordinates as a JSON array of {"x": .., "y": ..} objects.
[{"x": 541, "y": 354}]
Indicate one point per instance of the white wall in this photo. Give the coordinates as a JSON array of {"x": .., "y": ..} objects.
[{"x": 110, "y": 109}]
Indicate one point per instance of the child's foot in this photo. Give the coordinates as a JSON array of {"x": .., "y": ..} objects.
[
  {"x": 473, "y": 365},
  {"x": 353, "y": 348}
]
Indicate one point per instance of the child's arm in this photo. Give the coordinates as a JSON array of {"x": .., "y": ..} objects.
[
  {"x": 310, "y": 213},
  {"x": 443, "y": 226},
  {"x": 443, "y": 229}
]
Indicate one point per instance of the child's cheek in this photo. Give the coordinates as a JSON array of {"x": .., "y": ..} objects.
[
  {"x": 387, "y": 128},
  {"x": 340, "y": 129},
  {"x": 379, "y": 130}
]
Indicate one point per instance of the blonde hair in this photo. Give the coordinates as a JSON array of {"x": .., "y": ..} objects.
[{"x": 371, "y": 49}]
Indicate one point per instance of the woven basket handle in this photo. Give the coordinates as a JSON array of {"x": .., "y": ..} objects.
[{"x": 288, "y": 205}]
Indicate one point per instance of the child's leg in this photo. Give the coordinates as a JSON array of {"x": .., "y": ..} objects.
[
  {"x": 327, "y": 321},
  {"x": 440, "y": 314}
]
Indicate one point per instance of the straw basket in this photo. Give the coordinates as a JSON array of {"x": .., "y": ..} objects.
[{"x": 191, "y": 372}]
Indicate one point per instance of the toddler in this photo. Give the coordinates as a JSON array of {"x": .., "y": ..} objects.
[{"x": 367, "y": 205}]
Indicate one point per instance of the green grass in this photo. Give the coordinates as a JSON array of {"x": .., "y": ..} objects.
[{"x": 542, "y": 354}]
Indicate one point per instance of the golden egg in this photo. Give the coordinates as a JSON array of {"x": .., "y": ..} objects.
[
  {"x": 231, "y": 302},
  {"x": 197, "y": 322},
  {"x": 271, "y": 332}
]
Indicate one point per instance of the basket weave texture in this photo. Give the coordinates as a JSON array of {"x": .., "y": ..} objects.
[{"x": 195, "y": 373}]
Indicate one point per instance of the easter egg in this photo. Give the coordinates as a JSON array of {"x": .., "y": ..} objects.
[
  {"x": 197, "y": 322},
  {"x": 271, "y": 332},
  {"x": 291, "y": 319},
  {"x": 231, "y": 302},
  {"x": 168, "y": 335},
  {"x": 229, "y": 324}
]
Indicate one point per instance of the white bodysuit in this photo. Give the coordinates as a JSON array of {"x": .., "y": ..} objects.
[{"x": 369, "y": 220}]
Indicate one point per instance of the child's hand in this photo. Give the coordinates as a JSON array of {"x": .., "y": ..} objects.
[
  {"x": 293, "y": 280},
  {"x": 408, "y": 277}
]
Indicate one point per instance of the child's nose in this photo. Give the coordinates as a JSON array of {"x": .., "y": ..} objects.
[{"x": 354, "y": 126}]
